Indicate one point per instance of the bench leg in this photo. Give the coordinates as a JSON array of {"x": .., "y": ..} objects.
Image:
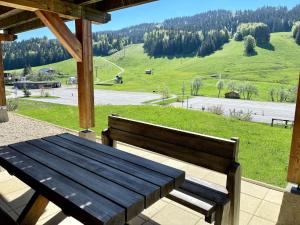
[
  {"x": 222, "y": 215},
  {"x": 234, "y": 189},
  {"x": 33, "y": 210}
]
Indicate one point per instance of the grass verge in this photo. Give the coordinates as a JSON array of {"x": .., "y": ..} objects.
[{"x": 264, "y": 150}]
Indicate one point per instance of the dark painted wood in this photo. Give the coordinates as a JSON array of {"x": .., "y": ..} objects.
[
  {"x": 178, "y": 175},
  {"x": 131, "y": 201},
  {"x": 217, "y": 204},
  {"x": 212, "y": 145},
  {"x": 166, "y": 183},
  {"x": 150, "y": 192},
  {"x": 6, "y": 219},
  {"x": 85, "y": 205}
]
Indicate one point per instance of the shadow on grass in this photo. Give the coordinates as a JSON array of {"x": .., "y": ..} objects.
[
  {"x": 267, "y": 46},
  {"x": 249, "y": 54}
]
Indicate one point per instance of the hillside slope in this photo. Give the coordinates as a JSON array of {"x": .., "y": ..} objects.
[{"x": 277, "y": 65}]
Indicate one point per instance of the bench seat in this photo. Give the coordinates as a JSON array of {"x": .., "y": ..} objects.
[
  {"x": 218, "y": 204},
  {"x": 201, "y": 196}
]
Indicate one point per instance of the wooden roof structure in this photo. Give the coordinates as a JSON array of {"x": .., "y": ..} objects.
[{"x": 17, "y": 16}]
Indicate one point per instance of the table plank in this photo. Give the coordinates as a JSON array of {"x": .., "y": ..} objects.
[
  {"x": 131, "y": 201},
  {"x": 150, "y": 191},
  {"x": 176, "y": 174},
  {"x": 166, "y": 183},
  {"x": 85, "y": 205}
]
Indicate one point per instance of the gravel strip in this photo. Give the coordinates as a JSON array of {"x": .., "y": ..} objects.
[{"x": 21, "y": 129}]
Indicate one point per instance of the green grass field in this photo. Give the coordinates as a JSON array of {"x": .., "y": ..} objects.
[
  {"x": 264, "y": 150},
  {"x": 278, "y": 67}
]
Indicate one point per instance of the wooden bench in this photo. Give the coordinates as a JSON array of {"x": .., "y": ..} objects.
[
  {"x": 219, "y": 205},
  {"x": 6, "y": 219},
  {"x": 286, "y": 121}
]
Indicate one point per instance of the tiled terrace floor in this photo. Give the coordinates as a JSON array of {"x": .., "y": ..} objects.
[{"x": 260, "y": 205}]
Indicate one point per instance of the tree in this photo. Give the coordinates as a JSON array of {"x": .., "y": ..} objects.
[
  {"x": 27, "y": 70},
  {"x": 251, "y": 90},
  {"x": 249, "y": 45},
  {"x": 220, "y": 86},
  {"x": 196, "y": 84},
  {"x": 297, "y": 39},
  {"x": 238, "y": 36},
  {"x": 272, "y": 93}
]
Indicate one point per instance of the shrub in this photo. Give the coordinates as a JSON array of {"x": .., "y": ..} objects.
[
  {"x": 216, "y": 110},
  {"x": 47, "y": 94},
  {"x": 26, "y": 92},
  {"x": 249, "y": 45},
  {"x": 297, "y": 38},
  {"x": 12, "y": 104},
  {"x": 296, "y": 28},
  {"x": 241, "y": 115},
  {"x": 232, "y": 86},
  {"x": 238, "y": 36}
]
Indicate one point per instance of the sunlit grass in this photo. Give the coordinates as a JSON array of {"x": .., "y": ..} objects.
[{"x": 264, "y": 150}]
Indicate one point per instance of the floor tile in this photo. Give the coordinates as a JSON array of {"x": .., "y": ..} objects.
[
  {"x": 216, "y": 178},
  {"x": 254, "y": 190},
  {"x": 196, "y": 171},
  {"x": 274, "y": 196},
  {"x": 12, "y": 185},
  {"x": 173, "y": 215},
  {"x": 249, "y": 204},
  {"x": 245, "y": 218},
  {"x": 5, "y": 176},
  {"x": 268, "y": 211},
  {"x": 155, "y": 208},
  {"x": 175, "y": 164},
  {"x": 259, "y": 221}
]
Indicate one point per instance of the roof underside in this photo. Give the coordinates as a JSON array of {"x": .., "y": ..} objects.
[{"x": 17, "y": 16}]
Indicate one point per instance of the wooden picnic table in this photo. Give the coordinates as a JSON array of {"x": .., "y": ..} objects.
[{"x": 91, "y": 182}]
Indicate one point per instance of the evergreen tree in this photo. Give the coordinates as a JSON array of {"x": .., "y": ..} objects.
[{"x": 249, "y": 44}]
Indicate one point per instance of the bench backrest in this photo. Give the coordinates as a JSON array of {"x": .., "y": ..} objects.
[{"x": 210, "y": 152}]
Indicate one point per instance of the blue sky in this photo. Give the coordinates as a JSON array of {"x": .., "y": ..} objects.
[{"x": 164, "y": 9}]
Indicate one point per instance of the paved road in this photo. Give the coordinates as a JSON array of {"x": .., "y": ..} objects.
[
  {"x": 68, "y": 96},
  {"x": 262, "y": 111}
]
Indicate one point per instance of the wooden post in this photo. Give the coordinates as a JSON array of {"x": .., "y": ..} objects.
[
  {"x": 85, "y": 75},
  {"x": 3, "y": 111},
  {"x": 294, "y": 164}
]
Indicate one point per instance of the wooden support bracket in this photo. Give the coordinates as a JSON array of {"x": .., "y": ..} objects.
[
  {"x": 33, "y": 210},
  {"x": 62, "y": 32}
]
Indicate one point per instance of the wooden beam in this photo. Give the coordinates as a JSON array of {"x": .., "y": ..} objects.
[
  {"x": 35, "y": 24},
  {"x": 85, "y": 75},
  {"x": 17, "y": 19},
  {"x": 3, "y": 110},
  {"x": 294, "y": 163},
  {"x": 65, "y": 9},
  {"x": 6, "y": 11},
  {"x": 111, "y": 5},
  {"x": 7, "y": 37},
  {"x": 62, "y": 32},
  {"x": 33, "y": 210},
  {"x": 87, "y": 2}
]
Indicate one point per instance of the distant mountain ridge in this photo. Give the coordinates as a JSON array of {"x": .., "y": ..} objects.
[{"x": 39, "y": 51}]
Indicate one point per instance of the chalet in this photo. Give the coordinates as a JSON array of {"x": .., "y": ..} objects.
[
  {"x": 47, "y": 71},
  {"x": 233, "y": 95}
]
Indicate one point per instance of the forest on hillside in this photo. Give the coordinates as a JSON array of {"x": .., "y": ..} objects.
[{"x": 200, "y": 34}]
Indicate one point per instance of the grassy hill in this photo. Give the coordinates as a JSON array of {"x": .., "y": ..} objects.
[{"x": 277, "y": 65}]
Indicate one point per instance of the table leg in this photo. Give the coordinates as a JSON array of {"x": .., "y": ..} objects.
[{"x": 33, "y": 210}]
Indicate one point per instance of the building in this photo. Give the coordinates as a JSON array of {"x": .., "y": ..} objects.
[
  {"x": 36, "y": 85},
  {"x": 233, "y": 95}
]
